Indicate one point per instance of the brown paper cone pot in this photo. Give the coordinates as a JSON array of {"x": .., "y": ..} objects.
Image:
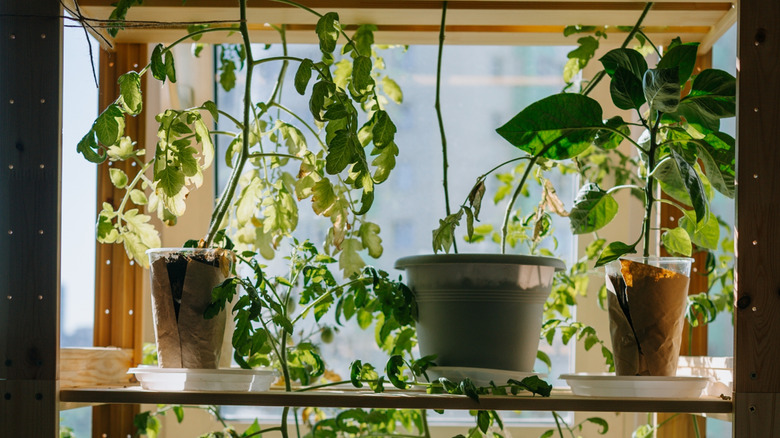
[
  {"x": 182, "y": 280},
  {"x": 480, "y": 310},
  {"x": 647, "y": 299}
]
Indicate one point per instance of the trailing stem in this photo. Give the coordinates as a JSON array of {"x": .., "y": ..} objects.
[
  {"x": 649, "y": 186},
  {"x": 437, "y": 105}
]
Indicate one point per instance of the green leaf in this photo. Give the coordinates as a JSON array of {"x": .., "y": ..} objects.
[
  {"x": 384, "y": 162},
  {"x": 681, "y": 57},
  {"x": 613, "y": 251},
  {"x": 593, "y": 209},
  {"x": 444, "y": 236},
  {"x": 562, "y": 125},
  {"x": 341, "y": 152},
  {"x": 628, "y": 59},
  {"x": 607, "y": 139},
  {"x": 364, "y": 38},
  {"x": 170, "y": 180},
  {"x": 384, "y": 129},
  {"x": 602, "y": 423},
  {"x": 542, "y": 356},
  {"x": 211, "y": 107},
  {"x": 547, "y": 434},
  {"x": 303, "y": 75},
  {"x": 662, "y": 89},
  {"x": 361, "y": 74},
  {"x": 369, "y": 239},
  {"x": 110, "y": 125},
  {"x": 693, "y": 185},
  {"x": 626, "y": 90},
  {"x": 705, "y": 234},
  {"x": 130, "y": 89},
  {"x": 717, "y": 153},
  {"x": 355, "y": 369},
  {"x": 227, "y": 74},
  {"x": 392, "y": 90},
  {"x": 118, "y": 177},
  {"x": 394, "y": 373},
  {"x": 179, "y": 411},
  {"x": 712, "y": 97},
  {"x": 170, "y": 69},
  {"x": 328, "y": 31},
  {"x": 88, "y": 147},
  {"x": 158, "y": 67},
  {"x": 677, "y": 241},
  {"x": 283, "y": 322},
  {"x": 106, "y": 230},
  {"x": 319, "y": 92},
  {"x": 483, "y": 420}
]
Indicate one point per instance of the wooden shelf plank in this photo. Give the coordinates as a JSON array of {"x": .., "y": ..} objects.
[
  {"x": 417, "y": 22},
  {"x": 559, "y": 401}
]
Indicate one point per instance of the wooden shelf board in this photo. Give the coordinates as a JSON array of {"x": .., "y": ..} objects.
[
  {"x": 417, "y": 22},
  {"x": 559, "y": 401}
]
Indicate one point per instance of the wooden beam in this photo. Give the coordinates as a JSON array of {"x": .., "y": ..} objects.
[
  {"x": 30, "y": 174},
  {"x": 416, "y": 22},
  {"x": 757, "y": 277},
  {"x": 118, "y": 291}
]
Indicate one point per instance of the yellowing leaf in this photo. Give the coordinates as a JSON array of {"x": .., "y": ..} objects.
[
  {"x": 323, "y": 197},
  {"x": 369, "y": 238},
  {"x": 350, "y": 261},
  {"x": 140, "y": 236}
]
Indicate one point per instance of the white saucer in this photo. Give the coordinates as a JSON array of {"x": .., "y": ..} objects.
[
  {"x": 184, "y": 379},
  {"x": 610, "y": 385}
]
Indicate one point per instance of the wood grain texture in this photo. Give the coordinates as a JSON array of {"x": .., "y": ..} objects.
[
  {"x": 30, "y": 157},
  {"x": 559, "y": 401},
  {"x": 758, "y": 210},
  {"x": 90, "y": 367},
  {"x": 416, "y": 22},
  {"x": 28, "y": 408},
  {"x": 118, "y": 282},
  {"x": 757, "y": 278},
  {"x": 761, "y": 415}
]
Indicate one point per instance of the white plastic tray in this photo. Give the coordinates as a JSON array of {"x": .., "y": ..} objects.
[
  {"x": 183, "y": 379},
  {"x": 480, "y": 376},
  {"x": 610, "y": 385}
]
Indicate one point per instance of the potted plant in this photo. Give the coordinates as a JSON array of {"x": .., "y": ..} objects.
[
  {"x": 493, "y": 303},
  {"x": 258, "y": 206},
  {"x": 680, "y": 150}
]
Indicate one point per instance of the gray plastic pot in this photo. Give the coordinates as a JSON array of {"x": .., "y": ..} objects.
[{"x": 480, "y": 310}]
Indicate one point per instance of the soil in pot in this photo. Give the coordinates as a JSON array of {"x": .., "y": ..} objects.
[
  {"x": 182, "y": 280},
  {"x": 646, "y": 313}
]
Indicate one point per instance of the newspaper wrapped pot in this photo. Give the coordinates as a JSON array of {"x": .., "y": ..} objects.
[
  {"x": 647, "y": 299},
  {"x": 182, "y": 280}
]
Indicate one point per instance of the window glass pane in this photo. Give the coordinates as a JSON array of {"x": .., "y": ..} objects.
[
  {"x": 79, "y": 194},
  {"x": 482, "y": 88},
  {"x": 720, "y": 333}
]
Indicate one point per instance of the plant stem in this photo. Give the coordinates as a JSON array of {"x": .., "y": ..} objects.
[
  {"x": 437, "y": 106},
  {"x": 510, "y": 205},
  {"x": 596, "y": 79},
  {"x": 424, "y": 419},
  {"x": 224, "y": 200},
  {"x": 650, "y": 185},
  {"x": 557, "y": 423}
]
